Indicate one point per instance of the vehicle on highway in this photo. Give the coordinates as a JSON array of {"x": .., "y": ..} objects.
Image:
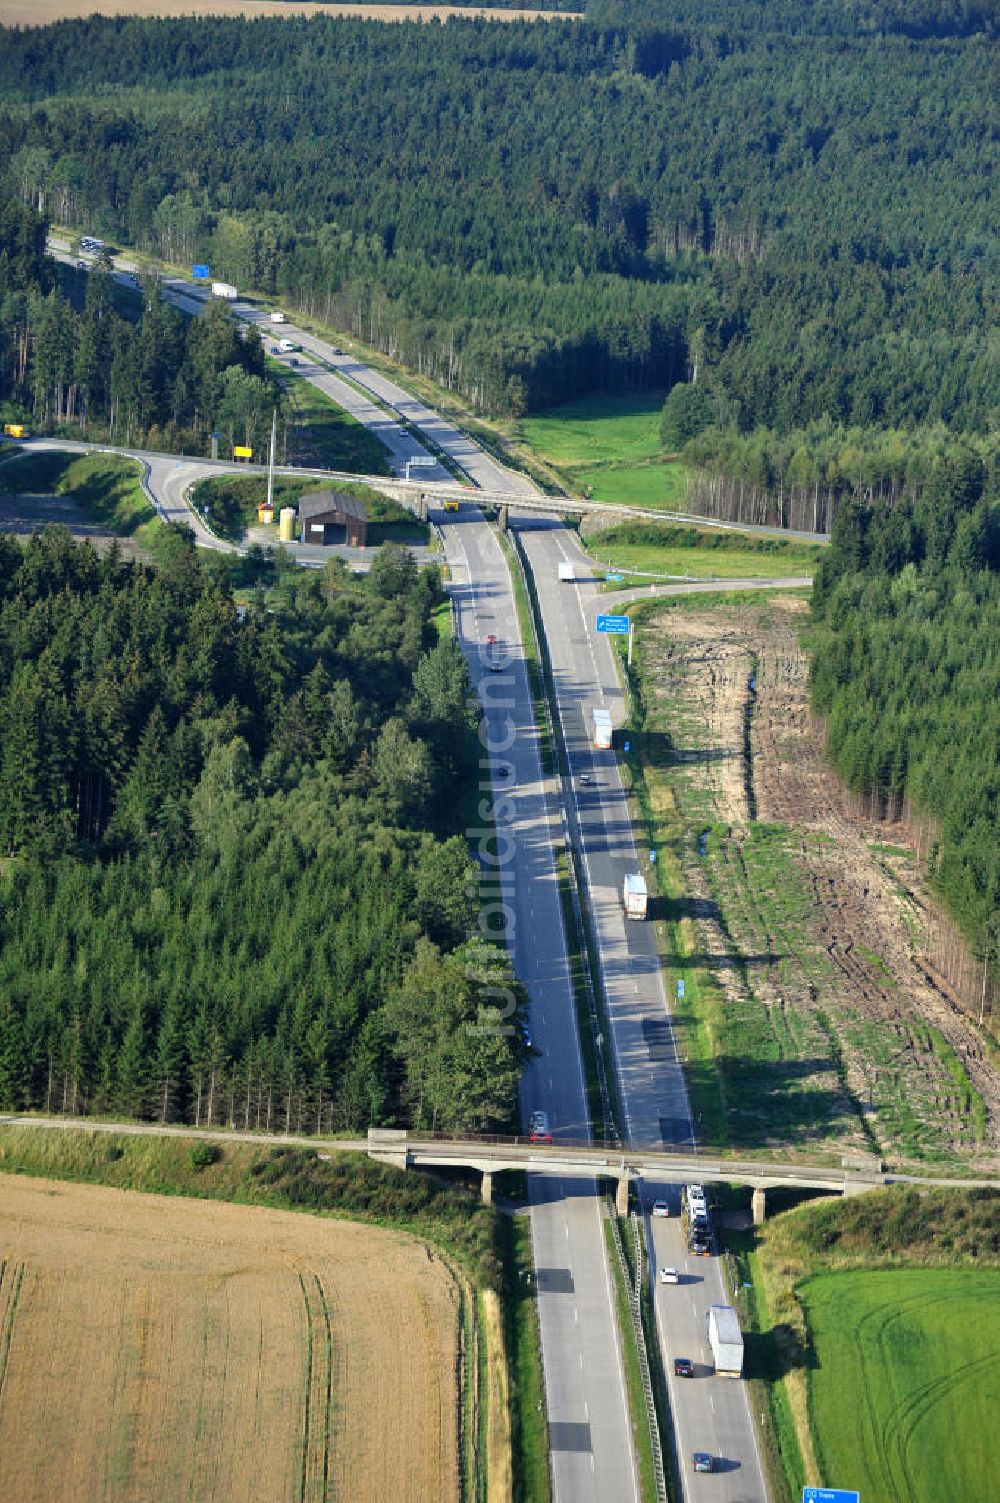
[
  {"x": 287, "y": 346},
  {"x": 496, "y": 667},
  {"x": 338, "y": 351},
  {"x": 278, "y": 318},
  {"x": 683, "y": 1367},
  {"x": 491, "y": 637},
  {"x": 538, "y": 1128},
  {"x": 451, "y": 506},
  {"x": 669, "y": 1276},
  {"x": 635, "y": 898},
  {"x": 503, "y": 771},
  {"x": 660, "y": 1208},
  {"x": 726, "y": 1340},
  {"x": 586, "y": 780},
  {"x": 703, "y": 1462}
]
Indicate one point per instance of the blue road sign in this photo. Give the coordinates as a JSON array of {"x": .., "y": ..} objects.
[
  {"x": 614, "y": 578},
  {"x": 200, "y": 271},
  {"x": 829, "y": 1495},
  {"x": 680, "y": 989},
  {"x": 617, "y": 626},
  {"x": 626, "y": 746}
]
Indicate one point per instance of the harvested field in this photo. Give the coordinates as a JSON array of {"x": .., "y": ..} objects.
[
  {"x": 810, "y": 917},
  {"x": 45, "y": 12},
  {"x": 177, "y": 1349}
]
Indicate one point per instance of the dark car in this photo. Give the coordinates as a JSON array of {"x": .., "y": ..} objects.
[
  {"x": 683, "y": 1367},
  {"x": 703, "y": 1462}
]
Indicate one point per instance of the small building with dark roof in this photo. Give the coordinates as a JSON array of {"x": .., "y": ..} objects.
[{"x": 328, "y": 517}]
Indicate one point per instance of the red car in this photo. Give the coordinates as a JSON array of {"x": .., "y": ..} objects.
[{"x": 491, "y": 639}]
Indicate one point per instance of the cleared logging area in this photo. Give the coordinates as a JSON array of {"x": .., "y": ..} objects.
[
  {"x": 177, "y": 1349},
  {"x": 819, "y": 1024}
]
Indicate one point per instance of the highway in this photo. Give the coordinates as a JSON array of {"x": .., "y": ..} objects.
[
  {"x": 710, "y": 1414},
  {"x": 590, "y": 1440},
  {"x": 589, "y": 1434}
]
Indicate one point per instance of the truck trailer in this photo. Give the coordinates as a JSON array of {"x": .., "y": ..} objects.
[
  {"x": 726, "y": 1340},
  {"x": 634, "y": 896},
  {"x": 225, "y": 290},
  {"x": 602, "y": 728},
  {"x": 569, "y": 572}
]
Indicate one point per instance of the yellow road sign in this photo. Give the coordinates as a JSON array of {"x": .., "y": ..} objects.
[{"x": 239, "y": 453}]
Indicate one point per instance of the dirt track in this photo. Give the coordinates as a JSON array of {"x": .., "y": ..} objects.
[
  {"x": 27, "y": 515},
  {"x": 812, "y": 916},
  {"x": 169, "y": 1349}
]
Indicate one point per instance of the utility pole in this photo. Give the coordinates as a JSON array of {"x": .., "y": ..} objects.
[{"x": 270, "y": 463}]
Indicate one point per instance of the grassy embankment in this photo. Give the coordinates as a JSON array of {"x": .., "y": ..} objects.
[
  {"x": 877, "y": 1332},
  {"x": 607, "y": 447},
  {"x": 106, "y": 487},
  {"x": 326, "y": 436},
  {"x": 639, "y": 548},
  {"x": 233, "y": 501},
  {"x": 492, "y": 1251}
]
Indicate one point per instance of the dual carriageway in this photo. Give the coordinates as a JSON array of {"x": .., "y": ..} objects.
[{"x": 537, "y": 815}]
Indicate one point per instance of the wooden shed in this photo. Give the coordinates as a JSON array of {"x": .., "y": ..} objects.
[{"x": 328, "y": 517}]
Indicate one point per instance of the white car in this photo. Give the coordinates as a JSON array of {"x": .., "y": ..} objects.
[
  {"x": 287, "y": 346},
  {"x": 660, "y": 1208},
  {"x": 669, "y": 1276}
]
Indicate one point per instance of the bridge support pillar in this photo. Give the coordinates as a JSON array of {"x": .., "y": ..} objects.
[
  {"x": 502, "y": 518},
  {"x": 422, "y": 507},
  {"x": 759, "y": 1205},
  {"x": 621, "y": 1194},
  {"x": 487, "y": 1187}
]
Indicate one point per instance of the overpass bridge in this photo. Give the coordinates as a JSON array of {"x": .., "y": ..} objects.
[{"x": 856, "y": 1174}]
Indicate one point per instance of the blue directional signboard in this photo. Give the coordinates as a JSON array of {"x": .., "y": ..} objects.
[
  {"x": 202, "y": 272},
  {"x": 680, "y": 989},
  {"x": 829, "y": 1495},
  {"x": 617, "y": 626},
  {"x": 614, "y": 578}
]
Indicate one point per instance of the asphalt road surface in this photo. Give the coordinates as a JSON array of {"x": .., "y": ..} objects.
[
  {"x": 710, "y": 1414},
  {"x": 589, "y": 1433}
]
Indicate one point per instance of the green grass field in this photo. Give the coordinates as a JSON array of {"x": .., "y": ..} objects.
[
  {"x": 666, "y": 548},
  {"x": 608, "y": 447},
  {"x": 904, "y": 1392}
]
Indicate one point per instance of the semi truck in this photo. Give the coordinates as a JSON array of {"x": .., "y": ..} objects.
[
  {"x": 726, "y": 1340},
  {"x": 278, "y": 318},
  {"x": 225, "y": 290},
  {"x": 602, "y": 728},
  {"x": 634, "y": 896}
]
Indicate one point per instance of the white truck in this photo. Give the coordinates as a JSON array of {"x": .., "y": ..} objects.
[
  {"x": 726, "y": 1340},
  {"x": 602, "y": 728},
  {"x": 634, "y": 896},
  {"x": 569, "y": 571},
  {"x": 278, "y": 318},
  {"x": 225, "y": 290}
]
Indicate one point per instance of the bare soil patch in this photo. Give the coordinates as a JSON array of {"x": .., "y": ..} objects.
[
  {"x": 812, "y": 917},
  {"x": 177, "y": 1349},
  {"x": 45, "y": 12},
  {"x": 26, "y": 515}
]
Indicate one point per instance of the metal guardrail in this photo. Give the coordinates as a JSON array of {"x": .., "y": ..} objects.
[{"x": 633, "y": 1288}]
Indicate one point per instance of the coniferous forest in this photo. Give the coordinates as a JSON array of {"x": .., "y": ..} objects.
[
  {"x": 907, "y": 668},
  {"x": 233, "y": 889},
  {"x": 782, "y": 202}
]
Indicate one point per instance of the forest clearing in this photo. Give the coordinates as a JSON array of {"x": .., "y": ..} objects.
[
  {"x": 170, "y": 1348},
  {"x": 810, "y": 918}
]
